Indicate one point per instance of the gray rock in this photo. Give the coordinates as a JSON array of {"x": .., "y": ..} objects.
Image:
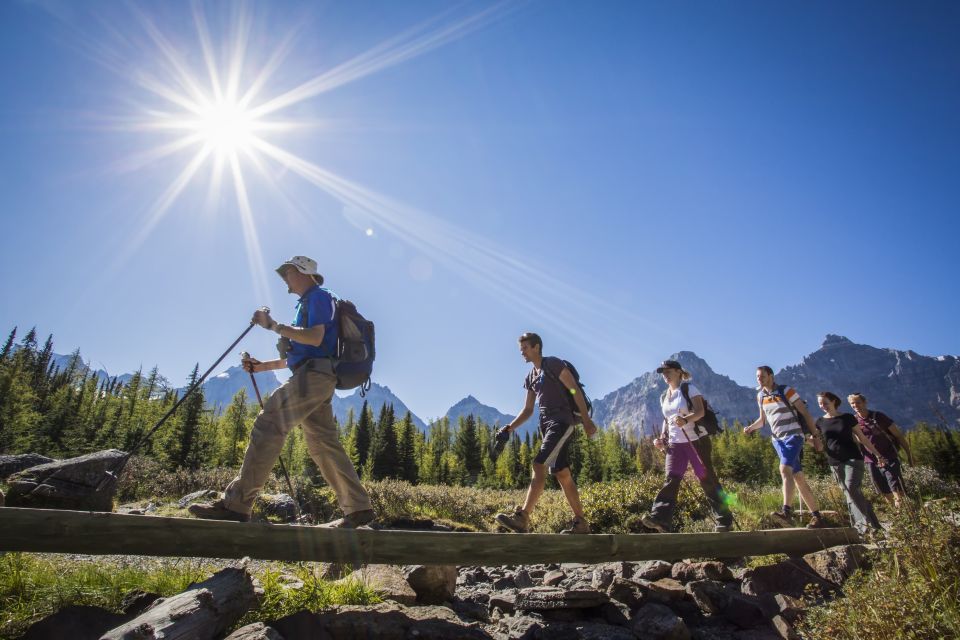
[
  {"x": 10, "y": 465},
  {"x": 790, "y": 608},
  {"x": 433, "y": 584},
  {"x": 602, "y": 578},
  {"x": 506, "y": 582},
  {"x": 505, "y": 601},
  {"x": 384, "y": 621},
  {"x": 255, "y": 631},
  {"x": 522, "y": 628},
  {"x": 837, "y": 564},
  {"x": 709, "y": 595},
  {"x": 652, "y": 570},
  {"x": 713, "y": 570},
  {"x": 75, "y": 622},
  {"x": 547, "y": 598},
  {"x": 553, "y": 578},
  {"x": 657, "y": 622},
  {"x": 197, "y": 496},
  {"x": 792, "y": 577},
  {"x": 784, "y": 629},
  {"x": 628, "y": 592},
  {"x": 387, "y": 580},
  {"x": 744, "y": 611},
  {"x": 279, "y": 505},
  {"x": 600, "y": 631},
  {"x": 666, "y": 589},
  {"x": 81, "y": 484},
  {"x": 522, "y": 579}
]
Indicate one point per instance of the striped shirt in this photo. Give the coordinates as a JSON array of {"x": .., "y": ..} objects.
[{"x": 781, "y": 417}]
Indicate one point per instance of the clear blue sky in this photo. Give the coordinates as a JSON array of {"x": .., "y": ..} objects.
[{"x": 627, "y": 179}]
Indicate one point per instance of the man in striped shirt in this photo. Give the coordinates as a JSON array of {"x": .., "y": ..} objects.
[{"x": 781, "y": 407}]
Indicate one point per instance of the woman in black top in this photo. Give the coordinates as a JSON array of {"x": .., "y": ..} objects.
[{"x": 841, "y": 432}]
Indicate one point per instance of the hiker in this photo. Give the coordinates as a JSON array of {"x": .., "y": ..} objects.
[
  {"x": 686, "y": 444},
  {"x": 841, "y": 432},
  {"x": 887, "y": 438},
  {"x": 303, "y": 399},
  {"x": 780, "y": 406},
  {"x": 550, "y": 384}
]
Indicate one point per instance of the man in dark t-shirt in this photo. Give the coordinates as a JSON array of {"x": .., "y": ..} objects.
[
  {"x": 550, "y": 384},
  {"x": 886, "y": 437}
]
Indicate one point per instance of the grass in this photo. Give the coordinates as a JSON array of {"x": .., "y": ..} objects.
[{"x": 912, "y": 592}]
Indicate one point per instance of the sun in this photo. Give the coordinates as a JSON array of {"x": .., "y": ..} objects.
[{"x": 225, "y": 127}]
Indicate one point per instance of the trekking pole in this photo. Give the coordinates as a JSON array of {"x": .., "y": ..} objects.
[
  {"x": 112, "y": 476},
  {"x": 283, "y": 468}
]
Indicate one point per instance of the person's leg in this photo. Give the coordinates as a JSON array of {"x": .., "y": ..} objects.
[
  {"x": 788, "y": 487},
  {"x": 893, "y": 473},
  {"x": 535, "y": 490},
  {"x": 854, "y": 486},
  {"x": 323, "y": 444},
  {"x": 805, "y": 492},
  {"x": 569, "y": 486},
  {"x": 881, "y": 485},
  {"x": 661, "y": 513},
  {"x": 703, "y": 468},
  {"x": 285, "y": 408}
]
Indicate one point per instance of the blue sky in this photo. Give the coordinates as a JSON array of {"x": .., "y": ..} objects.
[{"x": 627, "y": 179}]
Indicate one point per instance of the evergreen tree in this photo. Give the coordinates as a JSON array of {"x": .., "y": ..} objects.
[
  {"x": 185, "y": 438},
  {"x": 235, "y": 430},
  {"x": 382, "y": 460},
  {"x": 467, "y": 448},
  {"x": 8, "y": 345},
  {"x": 363, "y": 434},
  {"x": 407, "y": 449}
]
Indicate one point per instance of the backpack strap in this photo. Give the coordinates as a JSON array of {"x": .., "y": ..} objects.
[{"x": 685, "y": 390}]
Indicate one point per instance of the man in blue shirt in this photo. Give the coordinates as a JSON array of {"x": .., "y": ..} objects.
[{"x": 304, "y": 399}]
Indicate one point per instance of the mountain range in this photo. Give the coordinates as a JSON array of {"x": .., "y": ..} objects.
[{"x": 907, "y": 386}]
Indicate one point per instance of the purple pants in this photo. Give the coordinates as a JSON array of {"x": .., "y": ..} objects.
[{"x": 681, "y": 454}]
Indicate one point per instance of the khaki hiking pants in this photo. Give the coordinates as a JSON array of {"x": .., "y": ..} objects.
[{"x": 304, "y": 399}]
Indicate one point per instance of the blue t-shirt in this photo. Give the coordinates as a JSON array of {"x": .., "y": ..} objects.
[{"x": 314, "y": 307}]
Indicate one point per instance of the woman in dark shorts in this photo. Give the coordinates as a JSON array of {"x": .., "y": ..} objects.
[{"x": 841, "y": 432}]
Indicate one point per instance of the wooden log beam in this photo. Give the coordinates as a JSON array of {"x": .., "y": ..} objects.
[{"x": 55, "y": 531}]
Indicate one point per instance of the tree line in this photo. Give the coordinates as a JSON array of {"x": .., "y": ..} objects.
[{"x": 65, "y": 411}]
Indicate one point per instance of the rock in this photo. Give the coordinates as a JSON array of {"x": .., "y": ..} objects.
[
  {"x": 686, "y": 571},
  {"x": 791, "y": 577},
  {"x": 548, "y": 598},
  {"x": 627, "y": 592},
  {"x": 331, "y": 570},
  {"x": 667, "y": 589},
  {"x": 652, "y": 570},
  {"x": 136, "y": 602},
  {"x": 75, "y": 622},
  {"x": 197, "y": 496},
  {"x": 522, "y": 628},
  {"x": 506, "y": 582},
  {"x": 615, "y": 613},
  {"x": 80, "y": 484},
  {"x": 784, "y": 629},
  {"x": 505, "y": 601},
  {"x": 391, "y": 621},
  {"x": 656, "y": 622},
  {"x": 790, "y": 608},
  {"x": 837, "y": 564},
  {"x": 553, "y": 578},
  {"x": 433, "y": 584},
  {"x": 522, "y": 579},
  {"x": 278, "y": 505},
  {"x": 600, "y": 631},
  {"x": 202, "y": 612},
  {"x": 471, "y": 609},
  {"x": 743, "y": 611},
  {"x": 255, "y": 631},
  {"x": 387, "y": 580},
  {"x": 602, "y": 578},
  {"x": 10, "y": 465},
  {"x": 709, "y": 595}
]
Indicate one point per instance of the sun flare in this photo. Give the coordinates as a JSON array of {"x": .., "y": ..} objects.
[{"x": 226, "y": 127}]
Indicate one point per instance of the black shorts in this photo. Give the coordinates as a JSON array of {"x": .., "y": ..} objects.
[
  {"x": 889, "y": 478},
  {"x": 554, "y": 450}
]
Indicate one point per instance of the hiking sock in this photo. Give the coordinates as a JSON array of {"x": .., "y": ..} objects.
[
  {"x": 787, "y": 510},
  {"x": 815, "y": 514}
]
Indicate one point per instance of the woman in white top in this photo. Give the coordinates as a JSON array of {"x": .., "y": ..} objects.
[{"x": 686, "y": 445}]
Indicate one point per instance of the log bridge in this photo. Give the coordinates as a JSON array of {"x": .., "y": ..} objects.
[{"x": 59, "y": 531}]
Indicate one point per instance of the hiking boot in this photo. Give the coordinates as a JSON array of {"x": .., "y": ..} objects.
[
  {"x": 652, "y": 523},
  {"x": 351, "y": 520},
  {"x": 577, "y": 525},
  {"x": 217, "y": 511},
  {"x": 721, "y": 528},
  {"x": 781, "y": 517},
  {"x": 517, "y": 521},
  {"x": 818, "y": 522}
]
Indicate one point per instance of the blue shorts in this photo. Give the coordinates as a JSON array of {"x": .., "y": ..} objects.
[
  {"x": 790, "y": 450},
  {"x": 554, "y": 450}
]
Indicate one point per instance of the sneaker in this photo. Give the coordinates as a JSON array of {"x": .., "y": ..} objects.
[
  {"x": 217, "y": 511},
  {"x": 351, "y": 520},
  {"x": 577, "y": 525},
  {"x": 721, "y": 528},
  {"x": 652, "y": 523},
  {"x": 781, "y": 517},
  {"x": 818, "y": 522},
  {"x": 517, "y": 521}
]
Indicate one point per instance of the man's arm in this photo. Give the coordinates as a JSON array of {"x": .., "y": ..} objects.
[
  {"x": 757, "y": 424},
  {"x": 525, "y": 414},
  {"x": 312, "y": 336},
  {"x": 811, "y": 424},
  {"x": 252, "y": 365},
  {"x": 571, "y": 384}
]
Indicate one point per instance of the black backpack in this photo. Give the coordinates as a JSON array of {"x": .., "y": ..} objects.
[
  {"x": 356, "y": 348},
  {"x": 709, "y": 422},
  {"x": 576, "y": 377}
]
